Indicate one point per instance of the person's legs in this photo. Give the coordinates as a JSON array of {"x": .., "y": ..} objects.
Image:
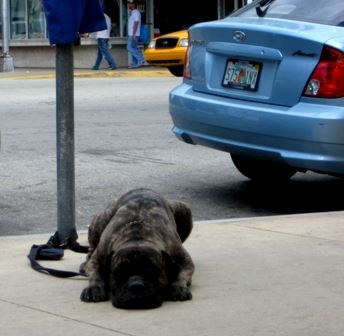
[
  {"x": 104, "y": 49},
  {"x": 98, "y": 59},
  {"x": 136, "y": 54},
  {"x": 131, "y": 50}
]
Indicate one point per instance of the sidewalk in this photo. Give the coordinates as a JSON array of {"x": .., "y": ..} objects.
[
  {"x": 281, "y": 275},
  {"x": 47, "y": 73}
]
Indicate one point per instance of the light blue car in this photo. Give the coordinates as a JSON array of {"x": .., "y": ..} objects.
[{"x": 266, "y": 84}]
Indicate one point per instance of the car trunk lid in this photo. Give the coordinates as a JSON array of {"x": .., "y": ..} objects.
[{"x": 257, "y": 59}]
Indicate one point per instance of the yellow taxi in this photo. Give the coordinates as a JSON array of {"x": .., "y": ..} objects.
[{"x": 168, "y": 50}]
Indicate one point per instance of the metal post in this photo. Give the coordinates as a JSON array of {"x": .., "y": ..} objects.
[
  {"x": 150, "y": 17},
  {"x": 221, "y": 9},
  {"x": 65, "y": 144},
  {"x": 6, "y": 60}
]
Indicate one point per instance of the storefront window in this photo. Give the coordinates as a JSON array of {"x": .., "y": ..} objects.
[
  {"x": 36, "y": 19},
  {"x": 117, "y": 10},
  {"x": 112, "y": 9},
  {"x": 18, "y": 19},
  {"x": 27, "y": 19},
  {"x": 228, "y": 6}
]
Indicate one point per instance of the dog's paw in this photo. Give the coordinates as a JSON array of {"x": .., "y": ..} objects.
[
  {"x": 93, "y": 294},
  {"x": 179, "y": 293}
]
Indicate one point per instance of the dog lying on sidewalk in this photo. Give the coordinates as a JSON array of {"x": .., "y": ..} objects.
[{"x": 136, "y": 253}]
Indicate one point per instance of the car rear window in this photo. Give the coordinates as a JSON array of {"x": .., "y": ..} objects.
[{"x": 329, "y": 12}]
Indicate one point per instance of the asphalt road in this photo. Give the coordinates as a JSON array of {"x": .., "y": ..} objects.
[{"x": 123, "y": 141}]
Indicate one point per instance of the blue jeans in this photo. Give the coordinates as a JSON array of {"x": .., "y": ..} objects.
[
  {"x": 137, "y": 57},
  {"x": 103, "y": 51}
]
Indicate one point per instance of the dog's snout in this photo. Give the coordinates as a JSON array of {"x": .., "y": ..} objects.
[
  {"x": 136, "y": 286},
  {"x": 137, "y": 294}
]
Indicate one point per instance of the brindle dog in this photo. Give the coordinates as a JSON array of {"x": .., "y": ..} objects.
[{"x": 136, "y": 253}]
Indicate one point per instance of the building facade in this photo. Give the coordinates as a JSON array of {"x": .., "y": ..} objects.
[{"x": 29, "y": 44}]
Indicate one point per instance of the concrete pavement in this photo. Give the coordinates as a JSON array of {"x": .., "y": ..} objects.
[
  {"x": 48, "y": 73},
  {"x": 280, "y": 275}
]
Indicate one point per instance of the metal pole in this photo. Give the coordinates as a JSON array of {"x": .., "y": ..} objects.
[
  {"x": 65, "y": 144},
  {"x": 219, "y": 9},
  {"x": 150, "y": 17},
  {"x": 6, "y": 60}
]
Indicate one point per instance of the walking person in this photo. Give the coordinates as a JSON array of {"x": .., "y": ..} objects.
[
  {"x": 103, "y": 46},
  {"x": 134, "y": 25}
]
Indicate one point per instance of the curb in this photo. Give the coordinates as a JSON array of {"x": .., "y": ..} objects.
[
  {"x": 50, "y": 74},
  {"x": 306, "y": 217}
]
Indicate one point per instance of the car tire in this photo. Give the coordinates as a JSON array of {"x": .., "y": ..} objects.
[
  {"x": 262, "y": 170},
  {"x": 176, "y": 70}
]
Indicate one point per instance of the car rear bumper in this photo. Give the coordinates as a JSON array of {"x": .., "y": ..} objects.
[{"x": 305, "y": 136}]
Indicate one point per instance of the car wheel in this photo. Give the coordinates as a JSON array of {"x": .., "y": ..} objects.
[
  {"x": 262, "y": 170},
  {"x": 176, "y": 70}
]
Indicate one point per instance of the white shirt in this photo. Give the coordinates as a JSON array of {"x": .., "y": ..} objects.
[
  {"x": 135, "y": 16},
  {"x": 105, "y": 34}
]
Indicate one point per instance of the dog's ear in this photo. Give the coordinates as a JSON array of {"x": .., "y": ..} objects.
[
  {"x": 99, "y": 223},
  {"x": 183, "y": 218},
  {"x": 171, "y": 266}
]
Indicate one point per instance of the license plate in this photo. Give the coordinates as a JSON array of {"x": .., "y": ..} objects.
[{"x": 243, "y": 75}]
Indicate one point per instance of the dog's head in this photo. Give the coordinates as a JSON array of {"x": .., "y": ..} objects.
[{"x": 139, "y": 277}]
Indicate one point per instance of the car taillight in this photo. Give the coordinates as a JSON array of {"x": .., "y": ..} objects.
[
  {"x": 187, "y": 66},
  {"x": 327, "y": 78}
]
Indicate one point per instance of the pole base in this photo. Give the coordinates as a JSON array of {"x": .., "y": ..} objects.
[
  {"x": 6, "y": 63},
  {"x": 70, "y": 242}
]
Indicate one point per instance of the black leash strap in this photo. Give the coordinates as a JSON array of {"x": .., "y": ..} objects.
[
  {"x": 71, "y": 243},
  {"x": 53, "y": 250}
]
